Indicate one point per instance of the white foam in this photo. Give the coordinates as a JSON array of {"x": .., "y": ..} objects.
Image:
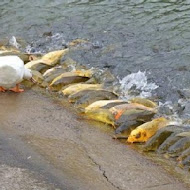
[
  {"x": 137, "y": 81},
  {"x": 13, "y": 42}
]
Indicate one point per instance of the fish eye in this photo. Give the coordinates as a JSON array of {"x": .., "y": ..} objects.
[{"x": 138, "y": 135}]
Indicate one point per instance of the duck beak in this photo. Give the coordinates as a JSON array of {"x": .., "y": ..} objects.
[{"x": 33, "y": 80}]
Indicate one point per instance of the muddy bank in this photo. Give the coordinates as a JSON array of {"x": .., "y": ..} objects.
[{"x": 58, "y": 147}]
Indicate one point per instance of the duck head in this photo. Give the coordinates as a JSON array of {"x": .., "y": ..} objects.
[{"x": 28, "y": 75}]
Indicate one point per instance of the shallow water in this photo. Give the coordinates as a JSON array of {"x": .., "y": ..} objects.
[{"x": 127, "y": 36}]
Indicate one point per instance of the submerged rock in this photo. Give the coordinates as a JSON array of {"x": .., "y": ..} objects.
[{"x": 143, "y": 132}]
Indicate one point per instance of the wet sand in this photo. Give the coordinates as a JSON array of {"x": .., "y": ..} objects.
[{"x": 46, "y": 145}]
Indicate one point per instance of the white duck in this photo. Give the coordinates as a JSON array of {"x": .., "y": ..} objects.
[{"x": 12, "y": 72}]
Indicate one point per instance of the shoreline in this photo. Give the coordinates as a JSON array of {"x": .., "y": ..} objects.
[{"x": 81, "y": 151}]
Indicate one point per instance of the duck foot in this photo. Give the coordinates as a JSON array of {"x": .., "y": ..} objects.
[
  {"x": 2, "y": 89},
  {"x": 16, "y": 89}
]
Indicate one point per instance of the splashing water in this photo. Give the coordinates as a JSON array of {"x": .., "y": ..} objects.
[
  {"x": 13, "y": 42},
  {"x": 136, "y": 82}
]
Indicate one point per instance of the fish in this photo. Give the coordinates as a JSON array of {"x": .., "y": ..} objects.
[
  {"x": 75, "y": 88},
  {"x": 132, "y": 115},
  {"x": 184, "y": 155},
  {"x": 102, "y": 115},
  {"x": 161, "y": 135},
  {"x": 65, "y": 79},
  {"x": 52, "y": 58},
  {"x": 94, "y": 96},
  {"x": 172, "y": 139},
  {"x": 143, "y": 101},
  {"x": 130, "y": 120},
  {"x": 177, "y": 148},
  {"x": 102, "y": 103},
  {"x": 37, "y": 65},
  {"x": 120, "y": 109},
  {"x": 143, "y": 132},
  {"x": 47, "y": 61}
]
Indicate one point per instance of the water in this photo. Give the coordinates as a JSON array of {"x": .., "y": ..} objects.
[
  {"x": 126, "y": 35},
  {"x": 137, "y": 82}
]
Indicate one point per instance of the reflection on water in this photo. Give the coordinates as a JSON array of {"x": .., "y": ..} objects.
[{"x": 146, "y": 35}]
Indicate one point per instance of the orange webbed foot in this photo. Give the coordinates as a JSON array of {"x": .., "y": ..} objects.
[
  {"x": 2, "y": 89},
  {"x": 16, "y": 89}
]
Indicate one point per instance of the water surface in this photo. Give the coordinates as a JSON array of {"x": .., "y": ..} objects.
[{"x": 128, "y": 35}]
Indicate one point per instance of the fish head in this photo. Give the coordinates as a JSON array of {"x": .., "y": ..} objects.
[{"x": 137, "y": 135}]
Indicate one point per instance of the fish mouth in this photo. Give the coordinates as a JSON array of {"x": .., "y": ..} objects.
[{"x": 33, "y": 80}]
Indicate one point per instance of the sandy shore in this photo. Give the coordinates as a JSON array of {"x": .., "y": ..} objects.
[{"x": 46, "y": 145}]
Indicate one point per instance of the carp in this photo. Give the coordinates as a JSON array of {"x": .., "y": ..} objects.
[{"x": 143, "y": 132}]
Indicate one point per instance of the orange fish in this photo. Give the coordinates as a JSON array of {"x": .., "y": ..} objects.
[{"x": 143, "y": 132}]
